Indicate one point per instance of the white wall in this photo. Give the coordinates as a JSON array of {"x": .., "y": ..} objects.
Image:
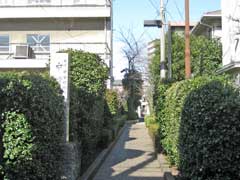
[
  {"x": 54, "y": 12},
  {"x": 230, "y": 28},
  {"x": 217, "y": 32},
  {"x": 76, "y": 33},
  {"x": 51, "y": 2}
]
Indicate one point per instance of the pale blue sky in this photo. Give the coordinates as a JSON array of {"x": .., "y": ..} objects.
[{"x": 132, "y": 13}]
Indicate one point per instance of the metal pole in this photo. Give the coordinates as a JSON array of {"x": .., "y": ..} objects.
[
  {"x": 162, "y": 42},
  {"x": 169, "y": 51},
  {"x": 111, "y": 64},
  {"x": 187, "y": 42}
]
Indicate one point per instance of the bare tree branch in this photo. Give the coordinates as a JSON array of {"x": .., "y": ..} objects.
[{"x": 133, "y": 50}]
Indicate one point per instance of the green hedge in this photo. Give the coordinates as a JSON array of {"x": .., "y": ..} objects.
[
  {"x": 113, "y": 102},
  {"x": 32, "y": 126},
  {"x": 150, "y": 119},
  {"x": 88, "y": 75},
  {"x": 172, "y": 111},
  {"x": 159, "y": 104},
  {"x": 152, "y": 124},
  {"x": 210, "y": 133}
]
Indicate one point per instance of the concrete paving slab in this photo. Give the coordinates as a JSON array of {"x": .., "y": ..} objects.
[{"x": 132, "y": 158}]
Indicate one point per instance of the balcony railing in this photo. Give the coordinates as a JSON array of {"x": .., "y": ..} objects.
[{"x": 54, "y": 3}]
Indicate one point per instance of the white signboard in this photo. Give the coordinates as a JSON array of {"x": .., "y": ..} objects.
[
  {"x": 231, "y": 31},
  {"x": 59, "y": 69}
]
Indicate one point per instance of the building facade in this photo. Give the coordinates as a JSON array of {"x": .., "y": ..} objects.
[
  {"x": 32, "y": 30},
  {"x": 231, "y": 38},
  {"x": 179, "y": 27},
  {"x": 151, "y": 48},
  {"x": 210, "y": 25}
]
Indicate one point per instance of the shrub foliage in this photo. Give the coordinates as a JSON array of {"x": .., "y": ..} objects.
[
  {"x": 32, "y": 126},
  {"x": 206, "y": 58},
  {"x": 209, "y": 133},
  {"x": 159, "y": 104},
  {"x": 88, "y": 74},
  {"x": 171, "y": 114},
  {"x": 32, "y": 121},
  {"x": 113, "y": 102}
]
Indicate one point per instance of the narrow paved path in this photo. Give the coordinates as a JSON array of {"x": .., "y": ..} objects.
[{"x": 132, "y": 158}]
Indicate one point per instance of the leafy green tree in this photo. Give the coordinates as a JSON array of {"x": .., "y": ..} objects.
[
  {"x": 206, "y": 58},
  {"x": 132, "y": 83},
  {"x": 154, "y": 66}
]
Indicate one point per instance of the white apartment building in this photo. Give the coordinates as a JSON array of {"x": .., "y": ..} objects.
[
  {"x": 151, "y": 49},
  {"x": 210, "y": 25},
  {"x": 231, "y": 38},
  {"x": 32, "y": 30}
]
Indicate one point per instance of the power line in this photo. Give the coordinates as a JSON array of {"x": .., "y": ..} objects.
[
  {"x": 154, "y": 6},
  {"x": 170, "y": 15},
  {"x": 145, "y": 31},
  {"x": 166, "y": 3},
  {"x": 178, "y": 9}
]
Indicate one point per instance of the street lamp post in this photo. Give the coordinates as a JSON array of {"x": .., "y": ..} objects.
[{"x": 160, "y": 24}]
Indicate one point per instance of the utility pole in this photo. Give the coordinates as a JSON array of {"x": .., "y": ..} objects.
[
  {"x": 162, "y": 41},
  {"x": 160, "y": 24},
  {"x": 187, "y": 42},
  {"x": 169, "y": 51}
]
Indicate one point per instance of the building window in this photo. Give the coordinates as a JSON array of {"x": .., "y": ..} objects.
[
  {"x": 39, "y": 1},
  {"x": 4, "y": 43},
  {"x": 5, "y": 2},
  {"x": 39, "y": 43}
]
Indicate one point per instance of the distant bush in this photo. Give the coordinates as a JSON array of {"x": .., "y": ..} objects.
[
  {"x": 150, "y": 119},
  {"x": 112, "y": 117},
  {"x": 118, "y": 123},
  {"x": 209, "y": 138},
  {"x": 32, "y": 127},
  {"x": 113, "y": 102}
]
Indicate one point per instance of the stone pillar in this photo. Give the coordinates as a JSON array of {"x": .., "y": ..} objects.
[
  {"x": 59, "y": 69},
  {"x": 71, "y": 161}
]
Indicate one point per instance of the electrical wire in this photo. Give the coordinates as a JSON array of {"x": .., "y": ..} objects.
[
  {"x": 145, "y": 31},
  {"x": 154, "y": 6},
  {"x": 178, "y": 9},
  {"x": 170, "y": 15},
  {"x": 166, "y": 4}
]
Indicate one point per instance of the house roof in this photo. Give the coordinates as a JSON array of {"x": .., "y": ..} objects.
[
  {"x": 180, "y": 24},
  {"x": 207, "y": 19},
  {"x": 213, "y": 13}
]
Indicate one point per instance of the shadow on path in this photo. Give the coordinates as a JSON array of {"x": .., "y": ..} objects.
[{"x": 132, "y": 158}]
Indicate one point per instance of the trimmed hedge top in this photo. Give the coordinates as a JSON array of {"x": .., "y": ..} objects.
[{"x": 88, "y": 71}]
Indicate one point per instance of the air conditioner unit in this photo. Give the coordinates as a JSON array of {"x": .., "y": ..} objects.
[{"x": 23, "y": 52}]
